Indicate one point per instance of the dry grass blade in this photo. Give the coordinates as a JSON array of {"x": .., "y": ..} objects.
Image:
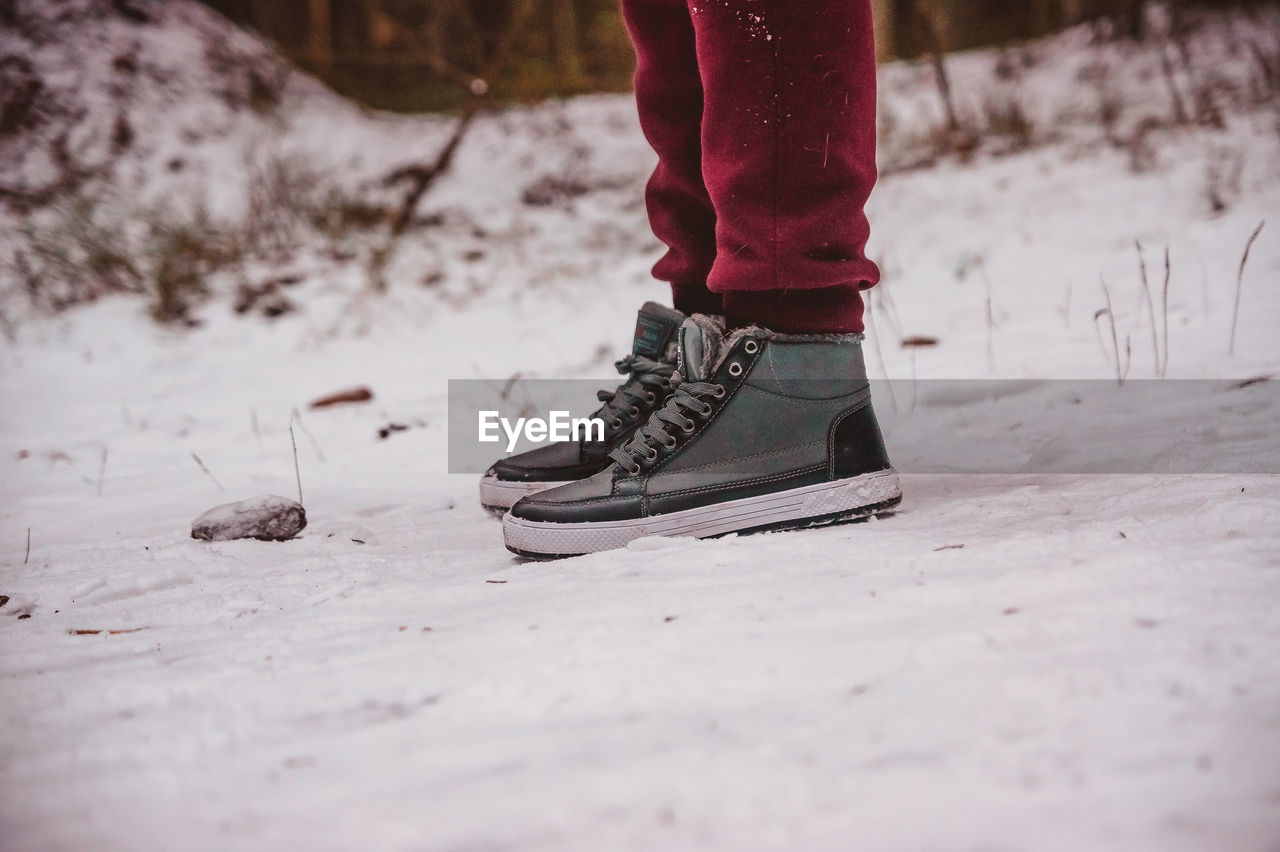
[
  {"x": 257, "y": 431},
  {"x": 1151, "y": 310},
  {"x": 1235, "y": 310},
  {"x": 1164, "y": 312},
  {"x": 296, "y": 417},
  {"x": 297, "y": 473},
  {"x": 1122, "y": 365},
  {"x": 207, "y": 472},
  {"x": 102, "y": 471},
  {"x": 875, "y": 338},
  {"x": 990, "y": 317},
  {"x": 505, "y": 393}
]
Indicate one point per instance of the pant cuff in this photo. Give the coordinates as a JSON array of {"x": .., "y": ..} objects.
[
  {"x": 696, "y": 299},
  {"x": 817, "y": 310}
]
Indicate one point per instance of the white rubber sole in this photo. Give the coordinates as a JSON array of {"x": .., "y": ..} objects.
[
  {"x": 795, "y": 508},
  {"x": 498, "y": 495}
]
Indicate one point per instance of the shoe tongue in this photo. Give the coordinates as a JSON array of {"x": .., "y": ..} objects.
[
  {"x": 656, "y": 326},
  {"x": 700, "y": 341}
]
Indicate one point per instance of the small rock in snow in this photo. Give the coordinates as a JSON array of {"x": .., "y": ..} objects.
[{"x": 268, "y": 518}]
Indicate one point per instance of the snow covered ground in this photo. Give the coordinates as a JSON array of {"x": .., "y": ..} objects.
[{"x": 1009, "y": 662}]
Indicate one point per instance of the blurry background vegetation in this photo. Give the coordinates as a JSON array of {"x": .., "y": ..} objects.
[
  {"x": 80, "y": 229},
  {"x": 412, "y": 55}
]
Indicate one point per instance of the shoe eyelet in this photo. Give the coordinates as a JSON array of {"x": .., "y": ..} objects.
[
  {"x": 688, "y": 426},
  {"x": 706, "y": 412},
  {"x": 650, "y": 398},
  {"x": 617, "y": 422},
  {"x": 634, "y": 471},
  {"x": 751, "y": 347},
  {"x": 635, "y": 412},
  {"x": 652, "y": 454},
  {"x": 720, "y": 392},
  {"x": 735, "y": 369},
  {"x": 670, "y": 445}
]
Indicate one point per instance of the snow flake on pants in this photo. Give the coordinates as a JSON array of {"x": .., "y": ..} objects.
[{"x": 752, "y": 22}]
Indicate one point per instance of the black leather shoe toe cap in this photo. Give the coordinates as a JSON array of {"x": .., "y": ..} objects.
[
  {"x": 584, "y": 501},
  {"x": 590, "y": 510},
  {"x": 560, "y": 462}
]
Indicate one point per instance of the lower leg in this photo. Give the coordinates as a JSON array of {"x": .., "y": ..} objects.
[
  {"x": 788, "y": 158},
  {"x": 669, "y": 100}
]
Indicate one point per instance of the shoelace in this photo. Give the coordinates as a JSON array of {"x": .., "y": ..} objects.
[
  {"x": 649, "y": 378},
  {"x": 687, "y": 397}
]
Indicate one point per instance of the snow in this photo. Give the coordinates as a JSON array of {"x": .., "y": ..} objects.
[{"x": 1011, "y": 661}]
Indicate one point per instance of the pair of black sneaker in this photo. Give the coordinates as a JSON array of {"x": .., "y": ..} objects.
[{"x": 711, "y": 433}]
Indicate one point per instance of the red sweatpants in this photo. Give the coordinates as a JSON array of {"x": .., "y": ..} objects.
[{"x": 762, "y": 113}]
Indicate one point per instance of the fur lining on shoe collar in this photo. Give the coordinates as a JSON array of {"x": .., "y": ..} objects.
[
  {"x": 706, "y": 347},
  {"x": 760, "y": 333},
  {"x": 715, "y": 343}
]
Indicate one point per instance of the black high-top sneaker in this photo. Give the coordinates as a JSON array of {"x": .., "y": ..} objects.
[
  {"x": 764, "y": 431},
  {"x": 648, "y": 368}
]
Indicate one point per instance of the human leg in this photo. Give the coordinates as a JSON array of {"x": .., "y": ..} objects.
[
  {"x": 669, "y": 101},
  {"x": 788, "y": 158}
]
